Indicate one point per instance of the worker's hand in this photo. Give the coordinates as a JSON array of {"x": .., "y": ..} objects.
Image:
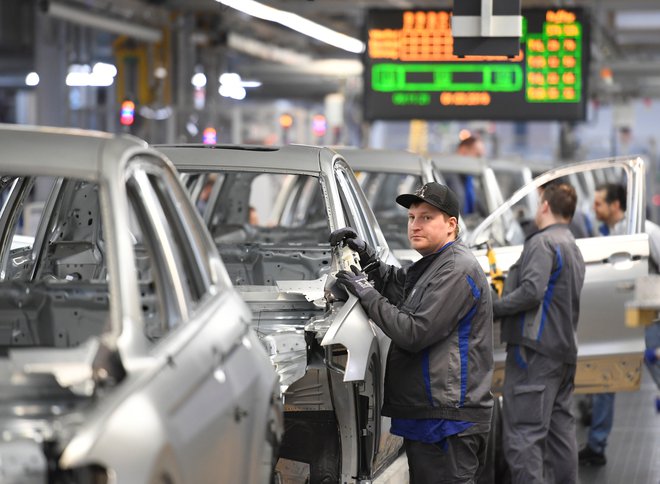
[
  {"x": 355, "y": 282},
  {"x": 497, "y": 284},
  {"x": 353, "y": 240},
  {"x": 494, "y": 295}
]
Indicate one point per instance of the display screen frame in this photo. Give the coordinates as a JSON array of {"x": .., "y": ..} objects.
[{"x": 450, "y": 88}]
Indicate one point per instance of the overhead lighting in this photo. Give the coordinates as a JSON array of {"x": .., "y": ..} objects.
[
  {"x": 198, "y": 80},
  {"x": 266, "y": 51},
  {"x": 101, "y": 75},
  {"x": 297, "y": 23},
  {"x": 32, "y": 79},
  {"x": 637, "y": 20},
  {"x": 231, "y": 86}
]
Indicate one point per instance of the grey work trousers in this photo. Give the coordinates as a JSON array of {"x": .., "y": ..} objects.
[
  {"x": 458, "y": 459},
  {"x": 538, "y": 428}
]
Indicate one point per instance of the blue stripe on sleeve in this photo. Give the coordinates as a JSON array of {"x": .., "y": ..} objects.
[
  {"x": 464, "y": 330},
  {"x": 547, "y": 298}
]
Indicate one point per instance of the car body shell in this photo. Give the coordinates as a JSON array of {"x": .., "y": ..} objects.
[
  {"x": 176, "y": 412},
  {"x": 342, "y": 354}
]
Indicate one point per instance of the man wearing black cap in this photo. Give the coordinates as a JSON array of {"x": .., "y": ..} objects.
[{"x": 438, "y": 314}]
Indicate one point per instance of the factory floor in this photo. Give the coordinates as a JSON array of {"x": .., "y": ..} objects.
[{"x": 633, "y": 452}]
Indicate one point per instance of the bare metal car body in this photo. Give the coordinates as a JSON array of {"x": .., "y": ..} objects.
[
  {"x": 329, "y": 355},
  {"x": 124, "y": 350},
  {"x": 609, "y": 353}
]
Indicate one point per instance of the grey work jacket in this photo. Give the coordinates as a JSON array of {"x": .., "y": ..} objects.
[
  {"x": 540, "y": 303},
  {"x": 438, "y": 313}
]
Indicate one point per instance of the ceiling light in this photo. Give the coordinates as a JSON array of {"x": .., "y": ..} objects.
[
  {"x": 637, "y": 20},
  {"x": 266, "y": 51},
  {"x": 32, "y": 79},
  {"x": 83, "y": 75},
  {"x": 104, "y": 69},
  {"x": 230, "y": 78},
  {"x": 198, "y": 80},
  {"x": 297, "y": 23}
]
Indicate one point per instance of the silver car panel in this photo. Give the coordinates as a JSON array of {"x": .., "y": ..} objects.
[
  {"x": 194, "y": 405},
  {"x": 344, "y": 353}
]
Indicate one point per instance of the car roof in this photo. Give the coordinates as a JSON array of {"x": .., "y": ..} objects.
[
  {"x": 284, "y": 159},
  {"x": 391, "y": 161},
  {"x": 52, "y": 151}
]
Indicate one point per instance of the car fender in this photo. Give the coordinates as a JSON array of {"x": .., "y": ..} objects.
[{"x": 352, "y": 329}]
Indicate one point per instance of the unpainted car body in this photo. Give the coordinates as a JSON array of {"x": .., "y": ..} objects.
[
  {"x": 125, "y": 353},
  {"x": 329, "y": 355}
]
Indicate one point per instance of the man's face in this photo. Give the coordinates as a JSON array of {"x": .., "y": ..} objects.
[
  {"x": 429, "y": 228},
  {"x": 478, "y": 150},
  {"x": 602, "y": 209}
]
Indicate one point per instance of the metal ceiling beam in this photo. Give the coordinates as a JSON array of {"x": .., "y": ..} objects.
[{"x": 98, "y": 21}]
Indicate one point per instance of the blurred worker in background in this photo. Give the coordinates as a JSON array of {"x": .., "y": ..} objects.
[
  {"x": 540, "y": 307},
  {"x": 610, "y": 209},
  {"x": 463, "y": 185},
  {"x": 438, "y": 313}
]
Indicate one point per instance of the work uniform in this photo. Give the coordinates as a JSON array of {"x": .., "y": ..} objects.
[
  {"x": 438, "y": 314},
  {"x": 540, "y": 307}
]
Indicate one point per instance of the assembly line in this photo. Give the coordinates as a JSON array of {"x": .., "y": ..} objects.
[
  {"x": 283, "y": 267},
  {"x": 329, "y": 242}
]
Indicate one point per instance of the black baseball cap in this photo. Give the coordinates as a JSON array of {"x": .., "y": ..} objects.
[{"x": 433, "y": 193}]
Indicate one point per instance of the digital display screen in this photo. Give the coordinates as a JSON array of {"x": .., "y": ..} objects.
[{"x": 410, "y": 71}]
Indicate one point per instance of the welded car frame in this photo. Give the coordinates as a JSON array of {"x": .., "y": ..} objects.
[
  {"x": 331, "y": 358},
  {"x": 124, "y": 350}
]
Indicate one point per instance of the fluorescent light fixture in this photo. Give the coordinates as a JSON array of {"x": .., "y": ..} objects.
[
  {"x": 32, "y": 79},
  {"x": 637, "y": 20},
  {"x": 102, "y": 75},
  {"x": 231, "y": 85},
  {"x": 297, "y": 23},
  {"x": 230, "y": 78},
  {"x": 160, "y": 72},
  {"x": 233, "y": 91},
  {"x": 256, "y": 48},
  {"x": 104, "y": 69},
  {"x": 198, "y": 80}
]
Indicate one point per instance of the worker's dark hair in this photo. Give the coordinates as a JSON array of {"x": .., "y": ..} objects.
[
  {"x": 468, "y": 142},
  {"x": 613, "y": 193},
  {"x": 561, "y": 198}
]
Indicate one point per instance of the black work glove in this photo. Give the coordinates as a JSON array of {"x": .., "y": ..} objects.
[
  {"x": 351, "y": 238},
  {"x": 355, "y": 282}
]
